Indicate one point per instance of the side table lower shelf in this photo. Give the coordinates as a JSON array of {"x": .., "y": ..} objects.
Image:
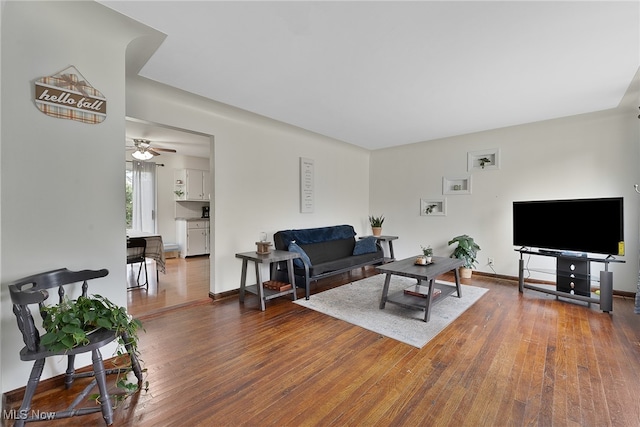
[
  {"x": 259, "y": 289},
  {"x": 268, "y": 293}
]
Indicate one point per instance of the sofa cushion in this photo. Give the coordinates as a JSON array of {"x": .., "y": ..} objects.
[
  {"x": 365, "y": 246},
  {"x": 344, "y": 263},
  {"x": 330, "y": 250},
  {"x": 298, "y": 262},
  {"x": 312, "y": 235}
]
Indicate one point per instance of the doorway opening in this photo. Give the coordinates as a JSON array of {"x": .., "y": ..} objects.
[{"x": 186, "y": 280}]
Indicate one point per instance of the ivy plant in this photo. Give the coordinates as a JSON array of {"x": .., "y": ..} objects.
[{"x": 69, "y": 324}]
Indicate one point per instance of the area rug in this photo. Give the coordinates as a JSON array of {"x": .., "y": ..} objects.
[{"x": 358, "y": 303}]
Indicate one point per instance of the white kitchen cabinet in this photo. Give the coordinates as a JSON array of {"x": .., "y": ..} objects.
[
  {"x": 192, "y": 184},
  {"x": 206, "y": 185},
  {"x": 192, "y": 236}
]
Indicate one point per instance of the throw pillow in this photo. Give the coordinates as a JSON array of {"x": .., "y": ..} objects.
[
  {"x": 298, "y": 262},
  {"x": 365, "y": 246}
]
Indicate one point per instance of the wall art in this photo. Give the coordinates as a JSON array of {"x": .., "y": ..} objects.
[
  {"x": 433, "y": 207},
  {"x": 67, "y": 95},
  {"x": 483, "y": 159},
  {"x": 307, "y": 196},
  {"x": 456, "y": 185}
]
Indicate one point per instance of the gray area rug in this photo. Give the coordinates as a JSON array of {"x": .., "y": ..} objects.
[{"x": 358, "y": 303}]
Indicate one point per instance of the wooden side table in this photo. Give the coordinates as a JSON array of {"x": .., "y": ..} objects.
[
  {"x": 258, "y": 288},
  {"x": 388, "y": 239}
]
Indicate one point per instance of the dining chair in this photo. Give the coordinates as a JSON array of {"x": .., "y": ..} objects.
[{"x": 136, "y": 253}]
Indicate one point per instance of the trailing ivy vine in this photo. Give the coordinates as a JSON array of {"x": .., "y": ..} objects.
[{"x": 69, "y": 324}]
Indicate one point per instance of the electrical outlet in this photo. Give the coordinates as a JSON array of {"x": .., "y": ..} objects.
[{"x": 490, "y": 261}]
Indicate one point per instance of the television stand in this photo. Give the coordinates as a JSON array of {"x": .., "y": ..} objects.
[{"x": 573, "y": 278}]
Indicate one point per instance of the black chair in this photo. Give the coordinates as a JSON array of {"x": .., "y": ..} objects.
[
  {"x": 136, "y": 253},
  {"x": 33, "y": 290}
]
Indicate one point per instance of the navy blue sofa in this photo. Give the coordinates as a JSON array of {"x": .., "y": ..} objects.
[{"x": 325, "y": 251}]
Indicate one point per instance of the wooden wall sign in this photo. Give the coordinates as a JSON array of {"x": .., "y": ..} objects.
[
  {"x": 67, "y": 95},
  {"x": 307, "y": 198}
]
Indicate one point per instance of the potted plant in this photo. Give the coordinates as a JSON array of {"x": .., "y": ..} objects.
[
  {"x": 429, "y": 209},
  {"x": 69, "y": 324},
  {"x": 483, "y": 161},
  {"x": 376, "y": 224},
  {"x": 467, "y": 250},
  {"x": 427, "y": 254}
]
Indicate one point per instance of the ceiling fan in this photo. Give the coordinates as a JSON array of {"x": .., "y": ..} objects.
[{"x": 143, "y": 150}]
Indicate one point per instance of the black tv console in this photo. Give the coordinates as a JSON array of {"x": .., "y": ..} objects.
[{"x": 573, "y": 278}]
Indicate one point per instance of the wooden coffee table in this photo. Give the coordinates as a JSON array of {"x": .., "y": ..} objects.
[{"x": 425, "y": 275}]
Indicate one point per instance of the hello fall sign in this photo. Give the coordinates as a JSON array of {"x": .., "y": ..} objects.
[{"x": 67, "y": 95}]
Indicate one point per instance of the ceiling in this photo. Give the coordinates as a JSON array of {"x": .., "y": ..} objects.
[
  {"x": 386, "y": 73},
  {"x": 185, "y": 143}
]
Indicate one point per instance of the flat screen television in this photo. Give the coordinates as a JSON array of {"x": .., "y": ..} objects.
[{"x": 576, "y": 225}]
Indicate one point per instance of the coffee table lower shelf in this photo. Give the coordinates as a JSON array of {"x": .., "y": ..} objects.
[
  {"x": 419, "y": 303},
  {"x": 425, "y": 275}
]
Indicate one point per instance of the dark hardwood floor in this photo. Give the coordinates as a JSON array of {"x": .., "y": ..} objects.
[
  {"x": 186, "y": 280},
  {"x": 510, "y": 360}
]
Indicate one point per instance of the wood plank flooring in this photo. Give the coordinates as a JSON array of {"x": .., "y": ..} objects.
[
  {"x": 510, "y": 360},
  {"x": 186, "y": 280}
]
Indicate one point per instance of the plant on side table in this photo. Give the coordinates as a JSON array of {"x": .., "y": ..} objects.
[
  {"x": 467, "y": 250},
  {"x": 69, "y": 324},
  {"x": 376, "y": 224},
  {"x": 427, "y": 253}
]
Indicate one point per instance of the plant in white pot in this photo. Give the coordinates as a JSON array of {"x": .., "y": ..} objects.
[
  {"x": 376, "y": 224},
  {"x": 427, "y": 253},
  {"x": 467, "y": 251}
]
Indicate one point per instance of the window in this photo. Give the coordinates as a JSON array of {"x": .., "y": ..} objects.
[
  {"x": 140, "y": 181},
  {"x": 128, "y": 203}
]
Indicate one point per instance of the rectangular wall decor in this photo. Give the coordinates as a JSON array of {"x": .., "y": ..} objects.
[
  {"x": 433, "y": 207},
  {"x": 456, "y": 185},
  {"x": 483, "y": 160},
  {"x": 307, "y": 196}
]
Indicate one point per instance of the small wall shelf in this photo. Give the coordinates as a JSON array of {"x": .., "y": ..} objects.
[
  {"x": 456, "y": 185},
  {"x": 483, "y": 160},
  {"x": 433, "y": 207}
]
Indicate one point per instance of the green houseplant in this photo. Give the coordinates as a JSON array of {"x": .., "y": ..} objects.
[
  {"x": 484, "y": 161},
  {"x": 427, "y": 253},
  {"x": 376, "y": 224},
  {"x": 69, "y": 324},
  {"x": 467, "y": 250}
]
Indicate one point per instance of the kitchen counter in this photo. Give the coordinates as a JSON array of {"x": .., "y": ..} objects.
[{"x": 192, "y": 219}]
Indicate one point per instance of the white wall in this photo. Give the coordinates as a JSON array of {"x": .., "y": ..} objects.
[
  {"x": 591, "y": 155},
  {"x": 256, "y": 173},
  {"x": 62, "y": 180}
]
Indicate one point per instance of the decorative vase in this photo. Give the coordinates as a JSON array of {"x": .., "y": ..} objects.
[
  {"x": 377, "y": 231},
  {"x": 263, "y": 248},
  {"x": 465, "y": 272}
]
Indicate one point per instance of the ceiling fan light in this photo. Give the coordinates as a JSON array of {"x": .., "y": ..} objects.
[{"x": 141, "y": 155}]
